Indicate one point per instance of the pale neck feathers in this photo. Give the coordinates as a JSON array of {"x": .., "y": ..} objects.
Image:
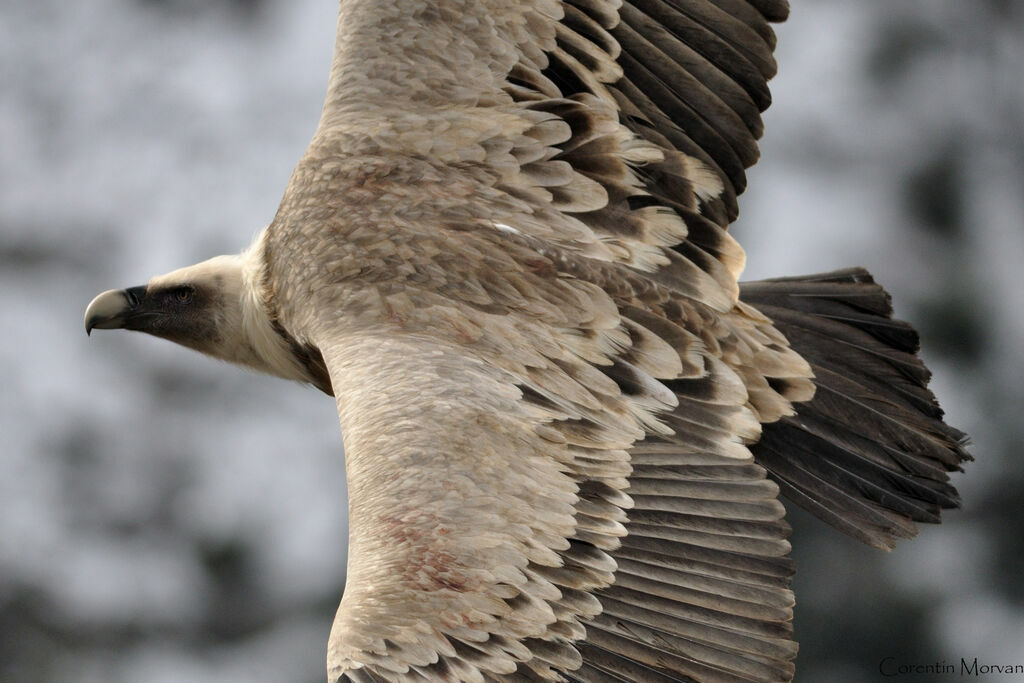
[{"x": 272, "y": 352}]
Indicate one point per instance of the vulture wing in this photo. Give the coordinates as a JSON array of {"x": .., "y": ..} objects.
[{"x": 504, "y": 521}]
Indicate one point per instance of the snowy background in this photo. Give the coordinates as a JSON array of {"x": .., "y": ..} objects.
[{"x": 166, "y": 518}]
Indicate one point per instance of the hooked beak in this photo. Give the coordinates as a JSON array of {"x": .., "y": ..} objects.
[{"x": 110, "y": 310}]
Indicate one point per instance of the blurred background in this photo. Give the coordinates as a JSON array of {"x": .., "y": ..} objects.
[{"x": 166, "y": 518}]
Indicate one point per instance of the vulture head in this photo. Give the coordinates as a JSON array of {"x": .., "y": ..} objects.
[
  {"x": 215, "y": 307},
  {"x": 198, "y": 306}
]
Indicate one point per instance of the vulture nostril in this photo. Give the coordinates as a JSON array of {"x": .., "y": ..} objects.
[{"x": 133, "y": 295}]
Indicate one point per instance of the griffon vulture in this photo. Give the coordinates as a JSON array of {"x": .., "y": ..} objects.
[{"x": 566, "y": 424}]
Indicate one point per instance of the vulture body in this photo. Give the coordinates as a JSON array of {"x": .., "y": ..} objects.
[{"x": 566, "y": 423}]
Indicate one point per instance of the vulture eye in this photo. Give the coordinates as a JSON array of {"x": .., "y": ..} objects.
[{"x": 183, "y": 295}]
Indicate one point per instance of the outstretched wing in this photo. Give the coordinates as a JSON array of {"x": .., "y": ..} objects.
[
  {"x": 616, "y": 129},
  {"x": 503, "y": 520}
]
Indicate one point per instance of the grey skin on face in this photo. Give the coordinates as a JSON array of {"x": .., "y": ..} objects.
[
  {"x": 135, "y": 309},
  {"x": 198, "y": 306},
  {"x": 182, "y": 312}
]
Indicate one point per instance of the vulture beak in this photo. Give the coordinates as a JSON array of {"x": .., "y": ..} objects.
[{"x": 111, "y": 309}]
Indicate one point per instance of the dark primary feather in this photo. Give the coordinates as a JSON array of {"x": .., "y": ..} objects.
[{"x": 688, "y": 76}]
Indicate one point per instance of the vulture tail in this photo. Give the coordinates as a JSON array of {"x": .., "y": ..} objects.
[{"x": 869, "y": 454}]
